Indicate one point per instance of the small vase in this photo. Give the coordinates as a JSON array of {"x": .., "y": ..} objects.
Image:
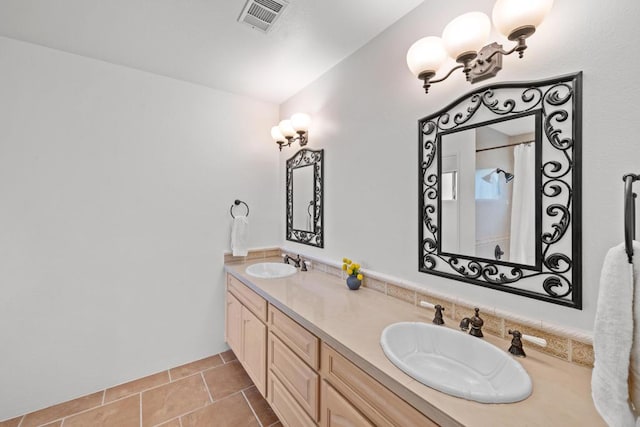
[{"x": 353, "y": 282}]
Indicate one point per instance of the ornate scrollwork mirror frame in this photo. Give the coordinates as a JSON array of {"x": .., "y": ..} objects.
[
  {"x": 558, "y": 101},
  {"x": 315, "y": 159}
]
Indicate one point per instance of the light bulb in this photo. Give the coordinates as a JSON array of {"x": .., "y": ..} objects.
[
  {"x": 466, "y": 34},
  {"x": 287, "y": 130},
  {"x": 426, "y": 55},
  {"x": 300, "y": 122},
  {"x": 276, "y": 134},
  {"x": 509, "y": 16}
]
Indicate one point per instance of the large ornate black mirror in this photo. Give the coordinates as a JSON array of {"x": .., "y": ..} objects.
[
  {"x": 305, "y": 197},
  {"x": 500, "y": 173}
]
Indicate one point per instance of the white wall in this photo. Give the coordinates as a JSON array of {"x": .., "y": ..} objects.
[
  {"x": 115, "y": 188},
  {"x": 365, "y": 113}
]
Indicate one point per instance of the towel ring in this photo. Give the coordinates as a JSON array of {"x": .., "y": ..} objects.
[
  {"x": 236, "y": 203},
  {"x": 629, "y": 213}
]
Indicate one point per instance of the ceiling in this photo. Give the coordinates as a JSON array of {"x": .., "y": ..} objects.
[{"x": 200, "y": 41}]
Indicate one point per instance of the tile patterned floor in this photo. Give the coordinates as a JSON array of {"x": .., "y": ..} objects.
[{"x": 212, "y": 392}]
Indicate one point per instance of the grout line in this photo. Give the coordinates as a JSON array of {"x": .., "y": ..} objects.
[
  {"x": 104, "y": 392},
  {"x": 63, "y": 419},
  {"x": 180, "y": 421},
  {"x": 140, "y": 401},
  {"x": 251, "y": 407},
  {"x": 206, "y": 386}
]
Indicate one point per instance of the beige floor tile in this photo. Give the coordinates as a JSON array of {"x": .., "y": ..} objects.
[
  {"x": 263, "y": 411},
  {"x": 197, "y": 366},
  {"x": 168, "y": 401},
  {"x": 173, "y": 423},
  {"x": 228, "y": 356},
  {"x": 54, "y": 424},
  {"x": 13, "y": 422},
  {"x": 62, "y": 410},
  {"x": 278, "y": 424},
  {"x": 230, "y": 412},
  {"x": 121, "y": 413},
  {"x": 136, "y": 386},
  {"x": 226, "y": 379}
]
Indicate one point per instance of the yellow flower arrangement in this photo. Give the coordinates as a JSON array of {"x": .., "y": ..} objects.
[{"x": 352, "y": 268}]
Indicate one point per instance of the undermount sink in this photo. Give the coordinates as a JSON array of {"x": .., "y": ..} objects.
[
  {"x": 271, "y": 270},
  {"x": 455, "y": 363}
]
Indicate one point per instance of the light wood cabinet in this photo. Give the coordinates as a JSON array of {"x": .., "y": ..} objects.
[
  {"x": 245, "y": 332},
  {"x": 302, "y": 382},
  {"x": 254, "y": 349},
  {"x": 254, "y": 302},
  {"x": 285, "y": 406},
  {"x": 338, "y": 412},
  {"x": 380, "y": 404},
  {"x": 233, "y": 325},
  {"x": 298, "y": 339},
  {"x": 306, "y": 382}
]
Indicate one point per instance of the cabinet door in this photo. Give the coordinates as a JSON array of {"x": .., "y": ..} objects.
[
  {"x": 338, "y": 412},
  {"x": 254, "y": 356},
  {"x": 233, "y": 326}
]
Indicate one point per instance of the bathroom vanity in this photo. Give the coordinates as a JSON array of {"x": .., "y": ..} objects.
[{"x": 312, "y": 347}]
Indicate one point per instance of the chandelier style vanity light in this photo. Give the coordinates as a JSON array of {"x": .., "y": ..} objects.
[
  {"x": 291, "y": 130},
  {"x": 464, "y": 38}
]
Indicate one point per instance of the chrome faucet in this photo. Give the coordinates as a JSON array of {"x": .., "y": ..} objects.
[
  {"x": 476, "y": 324},
  {"x": 298, "y": 262}
]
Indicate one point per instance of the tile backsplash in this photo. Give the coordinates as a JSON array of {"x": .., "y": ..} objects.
[{"x": 565, "y": 343}]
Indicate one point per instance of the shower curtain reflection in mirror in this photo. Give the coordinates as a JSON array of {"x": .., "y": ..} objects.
[{"x": 523, "y": 221}]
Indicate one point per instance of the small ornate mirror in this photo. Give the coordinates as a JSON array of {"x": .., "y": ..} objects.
[
  {"x": 305, "y": 197},
  {"x": 500, "y": 189}
]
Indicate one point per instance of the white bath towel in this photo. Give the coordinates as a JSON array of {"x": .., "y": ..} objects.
[
  {"x": 617, "y": 320},
  {"x": 240, "y": 236}
]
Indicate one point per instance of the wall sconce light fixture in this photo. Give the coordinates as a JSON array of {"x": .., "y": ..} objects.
[
  {"x": 294, "y": 129},
  {"x": 464, "y": 40}
]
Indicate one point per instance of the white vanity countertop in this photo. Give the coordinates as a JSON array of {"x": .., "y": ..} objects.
[{"x": 352, "y": 321}]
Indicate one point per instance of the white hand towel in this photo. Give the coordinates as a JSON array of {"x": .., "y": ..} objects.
[
  {"x": 634, "y": 371},
  {"x": 613, "y": 337},
  {"x": 240, "y": 236}
]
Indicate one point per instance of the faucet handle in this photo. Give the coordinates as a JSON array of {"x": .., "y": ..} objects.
[
  {"x": 516, "y": 343},
  {"x": 303, "y": 264},
  {"x": 536, "y": 340},
  {"x": 437, "y": 318},
  {"x": 426, "y": 304},
  {"x": 476, "y": 324}
]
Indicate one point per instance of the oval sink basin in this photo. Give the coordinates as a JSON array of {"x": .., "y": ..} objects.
[
  {"x": 455, "y": 363},
  {"x": 271, "y": 270}
]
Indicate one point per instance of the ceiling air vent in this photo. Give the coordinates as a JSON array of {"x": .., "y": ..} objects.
[{"x": 261, "y": 14}]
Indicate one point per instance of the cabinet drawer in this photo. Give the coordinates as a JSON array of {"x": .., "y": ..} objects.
[
  {"x": 380, "y": 404},
  {"x": 247, "y": 297},
  {"x": 285, "y": 406},
  {"x": 338, "y": 412},
  {"x": 302, "y": 382},
  {"x": 300, "y": 341}
]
